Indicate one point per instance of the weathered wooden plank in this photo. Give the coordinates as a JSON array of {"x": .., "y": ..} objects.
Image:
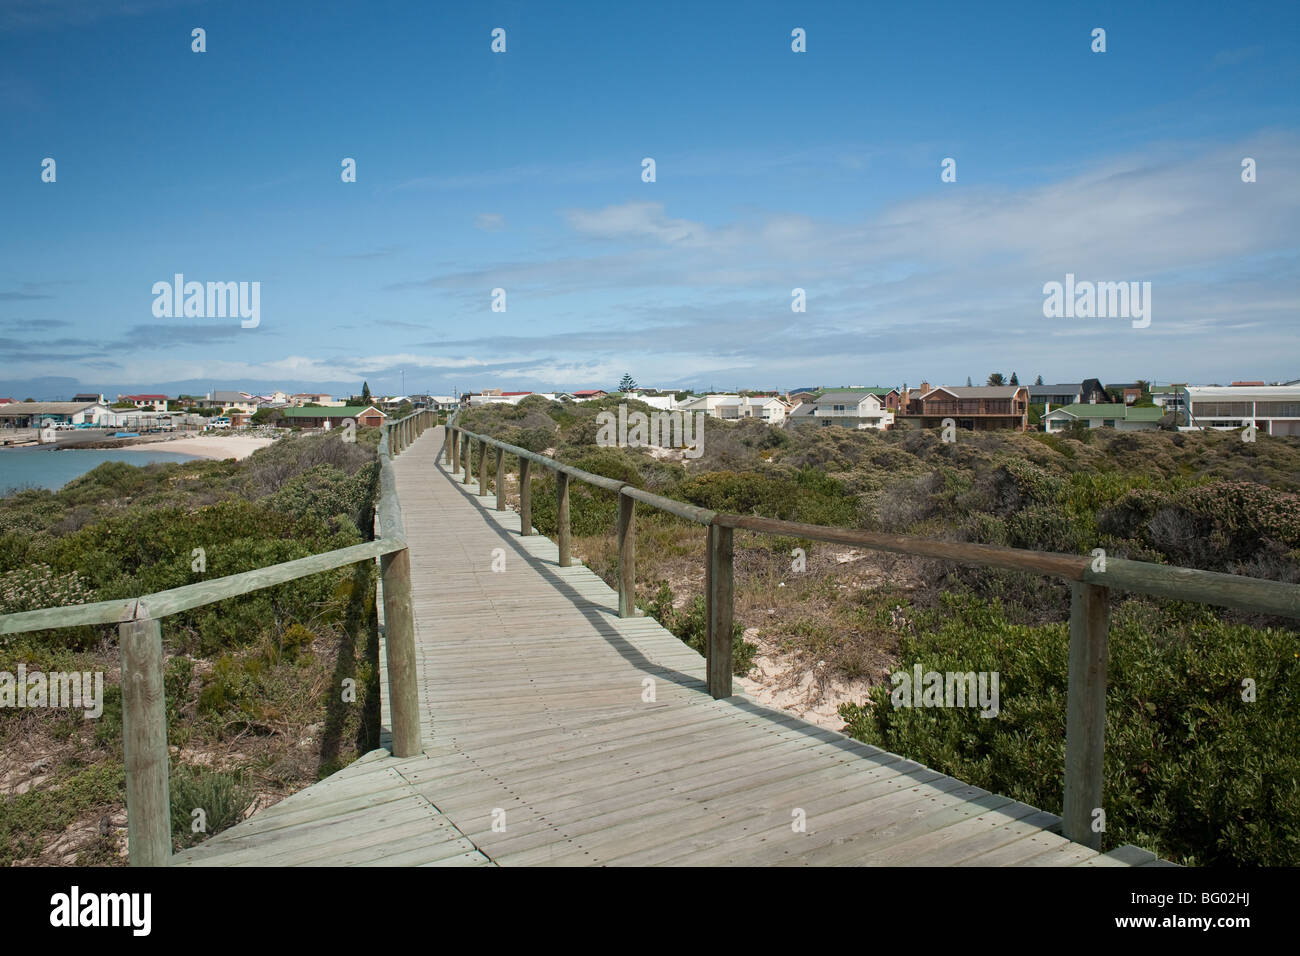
[
  {"x": 1085, "y": 721},
  {"x": 144, "y": 744}
]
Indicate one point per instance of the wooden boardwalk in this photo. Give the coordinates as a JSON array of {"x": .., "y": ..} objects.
[{"x": 556, "y": 733}]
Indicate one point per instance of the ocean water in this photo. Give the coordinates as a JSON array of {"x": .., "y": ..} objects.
[{"x": 50, "y": 468}]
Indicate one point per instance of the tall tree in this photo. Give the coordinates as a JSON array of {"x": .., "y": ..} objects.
[
  {"x": 1014, "y": 380},
  {"x": 968, "y": 381},
  {"x": 997, "y": 379},
  {"x": 365, "y": 392},
  {"x": 1039, "y": 380},
  {"x": 627, "y": 383}
]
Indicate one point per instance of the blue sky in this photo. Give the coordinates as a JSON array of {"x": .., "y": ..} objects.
[{"x": 522, "y": 171}]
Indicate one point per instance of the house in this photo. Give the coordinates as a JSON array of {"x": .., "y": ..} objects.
[
  {"x": 1128, "y": 392},
  {"x": 238, "y": 401},
  {"x": 315, "y": 398},
  {"x": 858, "y": 408},
  {"x": 95, "y": 397},
  {"x": 587, "y": 394},
  {"x": 704, "y": 403},
  {"x": 1116, "y": 415},
  {"x": 1272, "y": 409},
  {"x": 1089, "y": 391},
  {"x": 1173, "y": 399},
  {"x": 975, "y": 408},
  {"x": 664, "y": 403},
  {"x": 9, "y": 401},
  {"x": 150, "y": 403},
  {"x": 767, "y": 408},
  {"x": 370, "y": 416},
  {"x": 443, "y": 403},
  {"x": 36, "y": 414}
]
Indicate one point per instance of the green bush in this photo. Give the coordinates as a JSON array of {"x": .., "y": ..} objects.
[{"x": 1192, "y": 771}]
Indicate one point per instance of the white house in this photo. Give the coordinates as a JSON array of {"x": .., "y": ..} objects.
[
  {"x": 36, "y": 414},
  {"x": 705, "y": 403},
  {"x": 766, "y": 408},
  {"x": 1272, "y": 409},
  {"x": 859, "y": 410}
]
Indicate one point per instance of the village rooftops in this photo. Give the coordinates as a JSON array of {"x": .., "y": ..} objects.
[{"x": 338, "y": 411}]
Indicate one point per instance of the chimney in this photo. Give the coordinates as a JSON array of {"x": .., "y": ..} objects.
[{"x": 925, "y": 387}]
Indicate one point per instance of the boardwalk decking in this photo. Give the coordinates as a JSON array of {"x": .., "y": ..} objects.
[{"x": 544, "y": 745}]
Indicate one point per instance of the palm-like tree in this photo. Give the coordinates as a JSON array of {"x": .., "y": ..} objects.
[{"x": 997, "y": 379}]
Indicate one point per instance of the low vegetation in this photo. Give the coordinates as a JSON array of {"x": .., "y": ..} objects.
[
  {"x": 253, "y": 684},
  {"x": 1194, "y": 772}
]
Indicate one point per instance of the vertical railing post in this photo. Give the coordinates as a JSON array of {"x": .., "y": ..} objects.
[
  {"x": 467, "y": 459},
  {"x": 144, "y": 743},
  {"x": 721, "y": 585},
  {"x": 626, "y": 556},
  {"x": 562, "y": 516},
  {"x": 399, "y": 647},
  {"x": 501, "y": 480},
  {"x": 482, "y": 468},
  {"x": 1085, "y": 713},
  {"x": 448, "y": 445},
  {"x": 525, "y": 497}
]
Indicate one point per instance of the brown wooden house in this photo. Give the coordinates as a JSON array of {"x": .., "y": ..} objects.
[{"x": 975, "y": 408}]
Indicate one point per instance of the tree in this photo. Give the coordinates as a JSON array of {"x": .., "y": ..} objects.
[
  {"x": 627, "y": 383},
  {"x": 365, "y": 393},
  {"x": 997, "y": 379},
  {"x": 968, "y": 385},
  {"x": 1039, "y": 380},
  {"x": 1014, "y": 380}
]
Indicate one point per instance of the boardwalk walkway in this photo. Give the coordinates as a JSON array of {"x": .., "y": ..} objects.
[{"x": 543, "y": 747}]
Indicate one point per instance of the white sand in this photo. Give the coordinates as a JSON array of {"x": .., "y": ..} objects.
[{"x": 208, "y": 446}]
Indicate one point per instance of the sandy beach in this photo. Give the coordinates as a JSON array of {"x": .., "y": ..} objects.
[{"x": 207, "y": 446}]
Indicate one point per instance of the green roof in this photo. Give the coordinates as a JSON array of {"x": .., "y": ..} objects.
[
  {"x": 1113, "y": 410},
  {"x": 1147, "y": 413},
  {"x": 339, "y": 411}
]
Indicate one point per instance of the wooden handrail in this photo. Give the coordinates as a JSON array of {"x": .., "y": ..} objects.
[
  {"x": 1091, "y": 581},
  {"x": 139, "y": 620}
]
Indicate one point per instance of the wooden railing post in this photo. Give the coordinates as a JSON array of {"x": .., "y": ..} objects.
[
  {"x": 626, "y": 556},
  {"x": 399, "y": 647},
  {"x": 501, "y": 480},
  {"x": 525, "y": 497},
  {"x": 1085, "y": 715},
  {"x": 482, "y": 468},
  {"x": 144, "y": 743},
  {"x": 562, "y": 516},
  {"x": 467, "y": 459},
  {"x": 721, "y": 590},
  {"x": 449, "y": 446}
]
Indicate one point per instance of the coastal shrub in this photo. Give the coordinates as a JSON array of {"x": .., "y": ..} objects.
[
  {"x": 691, "y": 626},
  {"x": 223, "y": 798},
  {"x": 1192, "y": 771}
]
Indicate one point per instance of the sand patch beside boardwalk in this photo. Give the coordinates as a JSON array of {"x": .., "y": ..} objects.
[{"x": 214, "y": 446}]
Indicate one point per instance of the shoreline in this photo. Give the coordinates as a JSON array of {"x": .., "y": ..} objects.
[{"x": 216, "y": 448}]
